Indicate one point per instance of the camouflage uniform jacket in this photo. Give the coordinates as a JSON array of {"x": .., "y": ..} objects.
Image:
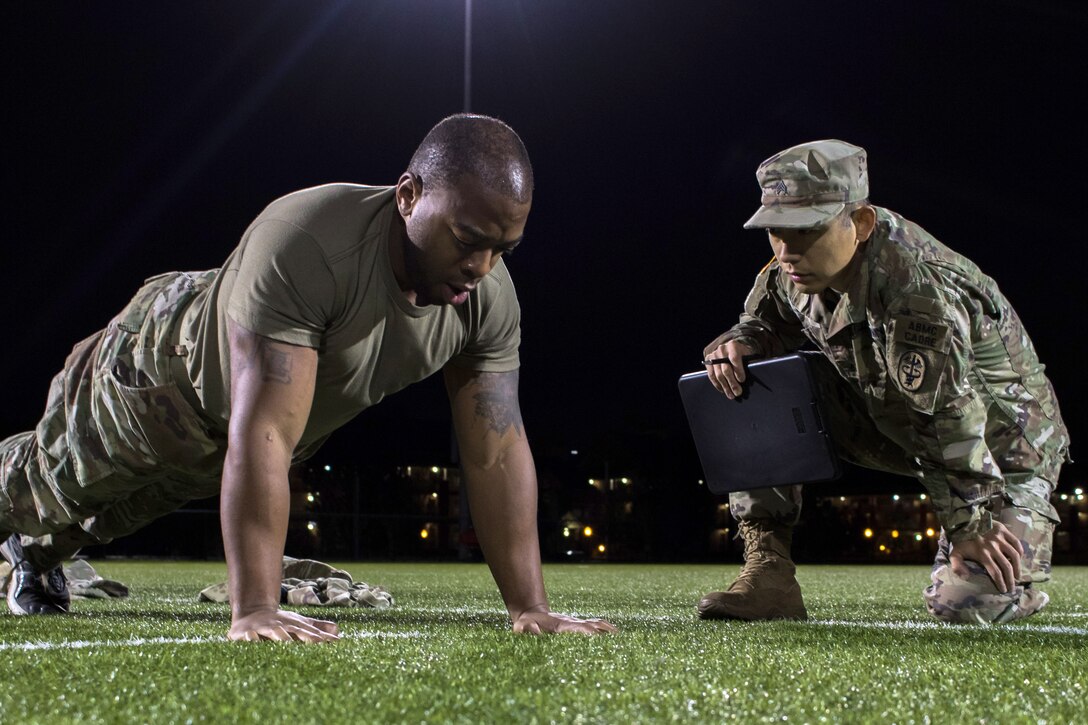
[{"x": 942, "y": 362}]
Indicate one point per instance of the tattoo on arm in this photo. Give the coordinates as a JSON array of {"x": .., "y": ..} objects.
[
  {"x": 497, "y": 402},
  {"x": 275, "y": 364}
]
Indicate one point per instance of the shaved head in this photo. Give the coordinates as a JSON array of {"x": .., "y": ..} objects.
[{"x": 473, "y": 145}]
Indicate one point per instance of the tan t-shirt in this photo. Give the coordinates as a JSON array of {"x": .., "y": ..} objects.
[{"x": 313, "y": 269}]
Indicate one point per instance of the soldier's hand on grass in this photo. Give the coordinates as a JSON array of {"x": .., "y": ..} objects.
[
  {"x": 729, "y": 377},
  {"x": 282, "y": 626},
  {"x": 552, "y": 623},
  {"x": 998, "y": 551}
]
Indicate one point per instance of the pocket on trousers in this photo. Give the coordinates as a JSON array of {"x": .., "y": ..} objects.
[{"x": 150, "y": 427}]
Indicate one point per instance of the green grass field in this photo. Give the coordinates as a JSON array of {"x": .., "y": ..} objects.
[{"x": 444, "y": 653}]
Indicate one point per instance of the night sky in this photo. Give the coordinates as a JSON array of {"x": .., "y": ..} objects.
[{"x": 143, "y": 137}]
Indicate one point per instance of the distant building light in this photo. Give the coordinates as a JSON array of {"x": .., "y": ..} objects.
[
  {"x": 423, "y": 533},
  {"x": 842, "y": 498},
  {"x": 328, "y": 468},
  {"x": 1064, "y": 497},
  {"x": 625, "y": 481},
  {"x": 895, "y": 497},
  {"x": 587, "y": 531},
  {"x": 930, "y": 533},
  {"x": 434, "y": 495},
  {"x": 701, "y": 482},
  {"x": 566, "y": 533},
  {"x": 592, "y": 482},
  {"x": 311, "y": 525},
  {"x": 574, "y": 451},
  {"x": 1078, "y": 491},
  {"x": 883, "y": 548},
  {"x": 310, "y": 497},
  {"x": 1080, "y": 497},
  {"x": 922, "y": 497},
  {"x": 895, "y": 533},
  {"x": 434, "y": 469},
  {"x": 868, "y": 533},
  {"x": 917, "y": 537},
  {"x": 600, "y": 548}
]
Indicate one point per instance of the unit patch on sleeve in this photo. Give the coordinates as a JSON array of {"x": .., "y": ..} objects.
[
  {"x": 918, "y": 349},
  {"x": 911, "y": 370}
]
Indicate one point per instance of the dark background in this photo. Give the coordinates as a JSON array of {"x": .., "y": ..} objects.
[{"x": 143, "y": 137}]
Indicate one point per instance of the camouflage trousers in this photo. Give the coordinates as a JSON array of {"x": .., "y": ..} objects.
[
  {"x": 121, "y": 442},
  {"x": 1023, "y": 507}
]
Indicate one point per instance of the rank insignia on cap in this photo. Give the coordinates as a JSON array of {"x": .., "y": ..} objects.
[{"x": 911, "y": 370}]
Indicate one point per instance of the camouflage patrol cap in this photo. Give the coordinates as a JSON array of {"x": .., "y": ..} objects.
[{"x": 808, "y": 185}]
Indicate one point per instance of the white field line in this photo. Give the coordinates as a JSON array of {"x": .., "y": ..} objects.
[
  {"x": 665, "y": 618},
  {"x": 685, "y": 617},
  {"x": 142, "y": 641},
  {"x": 938, "y": 626}
]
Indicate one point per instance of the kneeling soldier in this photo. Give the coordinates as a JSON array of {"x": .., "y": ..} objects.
[{"x": 930, "y": 374}]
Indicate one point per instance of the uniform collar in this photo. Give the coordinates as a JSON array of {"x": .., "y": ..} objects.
[{"x": 850, "y": 307}]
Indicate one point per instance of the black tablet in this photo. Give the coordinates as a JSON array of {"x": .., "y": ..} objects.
[{"x": 772, "y": 435}]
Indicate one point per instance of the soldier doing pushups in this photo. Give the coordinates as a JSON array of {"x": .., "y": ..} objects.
[
  {"x": 217, "y": 381},
  {"x": 926, "y": 371}
]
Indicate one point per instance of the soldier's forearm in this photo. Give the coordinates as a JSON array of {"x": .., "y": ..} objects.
[{"x": 255, "y": 508}]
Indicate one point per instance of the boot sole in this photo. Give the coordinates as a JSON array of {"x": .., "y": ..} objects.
[{"x": 716, "y": 610}]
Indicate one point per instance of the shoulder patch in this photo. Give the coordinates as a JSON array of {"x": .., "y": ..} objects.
[
  {"x": 920, "y": 332},
  {"x": 910, "y": 370}
]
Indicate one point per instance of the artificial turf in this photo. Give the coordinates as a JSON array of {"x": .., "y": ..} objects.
[{"x": 445, "y": 653}]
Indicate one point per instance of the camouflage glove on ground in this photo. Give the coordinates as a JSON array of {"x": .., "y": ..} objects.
[
  {"x": 84, "y": 582},
  {"x": 313, "y": 583}
]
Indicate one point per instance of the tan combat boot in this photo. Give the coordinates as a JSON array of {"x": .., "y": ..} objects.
[{"x": 766, "y": 587}]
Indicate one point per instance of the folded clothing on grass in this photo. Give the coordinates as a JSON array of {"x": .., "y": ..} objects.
[{"x": 307, "y": 582}]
